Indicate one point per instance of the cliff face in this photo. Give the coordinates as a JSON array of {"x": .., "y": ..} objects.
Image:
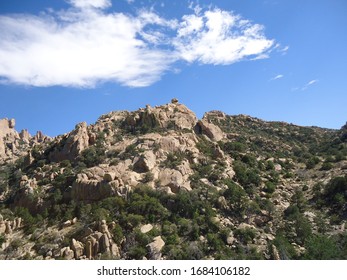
[{"x": 159, "y": 183}]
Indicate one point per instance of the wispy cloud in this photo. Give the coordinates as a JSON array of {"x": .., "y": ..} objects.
[
  {"x": 280, "y": 76},
  {"x": 310, "y": 83},
  {"x": 281, "y": 49},
  {"x": 306, "y": 86},
  {"x": 85, "y": 44}
]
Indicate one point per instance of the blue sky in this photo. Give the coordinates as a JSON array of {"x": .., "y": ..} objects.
[{"x": 63, "y": 62}]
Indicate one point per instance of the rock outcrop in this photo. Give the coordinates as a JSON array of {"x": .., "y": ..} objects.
[
  {"x": 71, "y": 145},
  {"x": 171, "y": 116},
  {"x": 210, "y": 130}
]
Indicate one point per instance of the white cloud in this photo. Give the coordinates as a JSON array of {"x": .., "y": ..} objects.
[
  {"x": 219, "y": 37},
  {"x": 280, "y": 76},
  {"x": 306, "y": 86},
  {"x": 281, "y": 49},
  {"x": 86, "y": 45},
  {"x": 310, "y": 83},
  {"x": 98, "y": 4}
]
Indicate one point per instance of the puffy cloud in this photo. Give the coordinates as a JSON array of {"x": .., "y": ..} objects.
[
  {"x": 83, "y": 46},
  {"x": 220, "y": 37},
  {"x": 99, "y": 4}
]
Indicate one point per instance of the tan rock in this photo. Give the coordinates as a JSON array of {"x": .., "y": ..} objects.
[
  {"x": 73, "y": 144},
  {"x": 210, "y": 130},
  {"x": 8, "y": 229},
  {"x": 145, "y": 163},
  {"x": 230, "y": 238},
  {"x": 171, "y": 116},
  {"x": 115, "y": 251},
  {"x": 78, "y": 248},
  {"x": 174, "y": 100},
  {"x": 275, "y": 253},
  {"x": 171, "y": 178},
  {"x": 114, "y": 184},
  {"x": 11, "y": 123},
  {"x": 67, "y": 223},
  {"x": 109, "y": 176},
  {"x": 146, "y": 228},
  {"x": 25, "y": 135},
  {"x": 155, "y": 248},
  {"x": 67, "y": 253},
  {"x": 104, "y": 243},
  {"x": 91, "y": 190}
]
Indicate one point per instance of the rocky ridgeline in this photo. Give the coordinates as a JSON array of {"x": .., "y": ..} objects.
[
  {"x": 14, "y": 144},
  {"x": 250, "y": 172}
]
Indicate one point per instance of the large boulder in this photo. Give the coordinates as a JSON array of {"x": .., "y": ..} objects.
[
  {"x": 78, "y": 248},
  {"x": 155, "y": 247},
  {"x": 70, "y": 146},
  {"x": 171, "y": 178},
  {"x": 209, "y": 129},
  {"x": 170, "y": 116},
  {"x": 145, "y": 162},
  {"x": 91, "y": 190}
]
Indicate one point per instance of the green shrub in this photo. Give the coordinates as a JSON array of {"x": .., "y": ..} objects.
[
  {"x": 236, "y": 197},
  {"x": 285, "y": 249},
  {"x": 2, "y": 239},
  {"x": 93, "y": 155},
  {"x": 335, "y": 193},
  {"x": 245, "y": 235},
  {"x": 248, "y": 177},
  {"x": 312, "y": 162},
  {"x": 321, "y": 247},
  {"x": 270, "y": 187},
  {"x": 327, "y": 166}
]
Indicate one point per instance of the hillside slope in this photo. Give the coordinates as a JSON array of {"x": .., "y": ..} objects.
[{"x": 158, "y": 183}]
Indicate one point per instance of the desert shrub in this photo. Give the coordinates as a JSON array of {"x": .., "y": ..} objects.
[
  {"x": 248, "y": 177},
  {"x": 245, "y": 235},
  {"x": 205, "y": 147},
  {"x": 148, "y": 177},
  {"x": 285, "y": 249},
  {"x": 335, "y": 193},
  {"x": 147, "y": 206},
  {"x": 2, "y": 239},
  {"x": 173, "y": 159},
  {"x": 270, "y": 187},
  {"x": 312, "y": 162},
  {"x": 236, "y": 197},
  {"x": 321, "y": 247},
  {"x": 230, "y": 147},
  {"x": 326, "y": 166},
  {"x": 215, "y": 242},
  {"x": 137, "y": 252},
  {"x": 93, "y": 155}
]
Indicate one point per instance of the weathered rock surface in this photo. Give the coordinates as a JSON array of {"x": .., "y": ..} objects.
[
  {"x": 170, "y": 116},
  {"x": 210, "y": 130},
  {"x": 155, "y": 248},
  {"x": 71, "y": 145}
]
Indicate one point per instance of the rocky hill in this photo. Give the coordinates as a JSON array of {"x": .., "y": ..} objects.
[{"x": 158, "y": 183}]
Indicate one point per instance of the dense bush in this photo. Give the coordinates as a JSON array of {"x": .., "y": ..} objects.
[
  {"x": 335, "y": 194},
  {"x": 93, "y": 155},
  {"x": 321, "y": 247},
  {"x": 248, "y": 177}
]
